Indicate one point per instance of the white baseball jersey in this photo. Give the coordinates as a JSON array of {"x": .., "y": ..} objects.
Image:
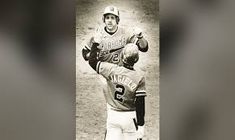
[{"x": 124, "y": 85}]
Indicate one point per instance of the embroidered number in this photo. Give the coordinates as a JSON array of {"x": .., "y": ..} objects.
[
  {"x": 118, "y": 95},
  {"x": 115, "y": 57}
]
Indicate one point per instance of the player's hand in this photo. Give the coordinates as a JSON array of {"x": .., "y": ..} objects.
[
  {"x": 97, "y": 36},
  {"x": 140, "y": 132},
  {"x": 138, "y": 33},
  {"x": 85, "y": 53}
]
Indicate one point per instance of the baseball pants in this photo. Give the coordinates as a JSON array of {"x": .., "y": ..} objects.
[{"x": 121, "y": 125}]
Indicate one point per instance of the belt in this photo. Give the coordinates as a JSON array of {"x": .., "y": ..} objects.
[{"x": 119, "y": 110}]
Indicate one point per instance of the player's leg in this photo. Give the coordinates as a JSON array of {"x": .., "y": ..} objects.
[
  {"x": 130, "y": 126},
  {"x": 114, "y": 131},
  {"x": 129, "y": 136},
  {"x": 130, "y": 132}
]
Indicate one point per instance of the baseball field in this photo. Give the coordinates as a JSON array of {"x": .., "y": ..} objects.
[{"x": 90, "y": 102}]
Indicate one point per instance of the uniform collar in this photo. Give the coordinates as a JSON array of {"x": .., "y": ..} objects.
[{"x": 110, "y": 32}]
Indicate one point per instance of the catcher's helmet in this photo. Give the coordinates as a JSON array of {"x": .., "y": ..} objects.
[
  {"x": 130, "y": 54},
  {"x": 111, "y": 10}
]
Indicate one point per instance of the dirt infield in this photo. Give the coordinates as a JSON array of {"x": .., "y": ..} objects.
[{"x": 90, "y": 103}]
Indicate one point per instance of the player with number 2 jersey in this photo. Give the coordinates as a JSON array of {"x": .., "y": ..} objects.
[{"x": 125, "y": 96}]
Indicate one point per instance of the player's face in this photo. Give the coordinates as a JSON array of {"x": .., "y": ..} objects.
[{"x": 110, "y": 22}]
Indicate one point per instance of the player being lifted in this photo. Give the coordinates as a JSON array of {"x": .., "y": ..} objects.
[
  {"x": 125, "y": 96},
  {"x": 112, "y": 38}
]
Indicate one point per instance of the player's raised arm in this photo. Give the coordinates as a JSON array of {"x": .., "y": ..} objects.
[
  {"x": 139, "y": 40},
  {"x": 93, "y": 58},
  {"x": 96, "y": 38},
  {"x": 87, "y": 48}
]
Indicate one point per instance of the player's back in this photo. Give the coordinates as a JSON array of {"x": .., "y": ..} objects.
[{"x": 123, "y": 84}]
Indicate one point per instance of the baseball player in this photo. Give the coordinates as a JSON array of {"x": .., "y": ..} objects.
[
  {"x": 125, "y": 96},
  {"x": 112, "y": 38}
]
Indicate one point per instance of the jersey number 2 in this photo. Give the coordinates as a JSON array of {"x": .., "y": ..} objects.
[
  {"x": 120, "y": 90},
  {"x": 115, "y": 57}
]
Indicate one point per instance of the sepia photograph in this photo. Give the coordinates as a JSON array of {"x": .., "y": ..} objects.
[{"x": 117, "y": 70}]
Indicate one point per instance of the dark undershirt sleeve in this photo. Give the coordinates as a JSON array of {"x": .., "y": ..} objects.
[{"x": 140, "y": 110}]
